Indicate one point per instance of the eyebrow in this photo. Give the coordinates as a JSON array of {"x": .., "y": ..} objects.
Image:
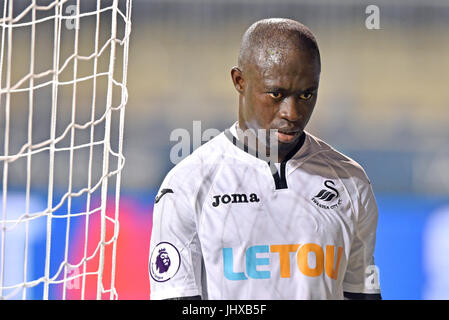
[
  {"x": 274, "y": 88},
  {"x": 279, "y": 89}
]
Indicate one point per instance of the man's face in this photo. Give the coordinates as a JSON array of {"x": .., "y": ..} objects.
[{"x": 279, "y": 94}]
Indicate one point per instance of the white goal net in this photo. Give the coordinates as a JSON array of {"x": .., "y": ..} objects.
[{"x": 63, "y": 72}]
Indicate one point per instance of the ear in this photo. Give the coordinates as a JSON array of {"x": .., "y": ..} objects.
[{"x": 237, "y": 79}]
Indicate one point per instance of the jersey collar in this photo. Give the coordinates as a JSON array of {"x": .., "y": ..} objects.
[
  {"x": 279, "y": 176},
  {"x": 231, "y": 135}
]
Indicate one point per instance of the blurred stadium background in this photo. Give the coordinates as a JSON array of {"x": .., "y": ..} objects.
[{"x": 383, "y": 100}]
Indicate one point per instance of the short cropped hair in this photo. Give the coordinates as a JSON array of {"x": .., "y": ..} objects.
[{"x": 273, "y": 36}]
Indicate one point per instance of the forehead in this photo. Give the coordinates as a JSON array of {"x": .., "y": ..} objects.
[{"x": 292, "y": 68}]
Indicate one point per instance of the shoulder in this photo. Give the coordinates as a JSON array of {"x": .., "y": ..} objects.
[
  {"x": 199, "y": 164},
  {"x": 352, "y": 176},
  {"x": 192, "y": 177},
  {"x": 341, "y": 164}
]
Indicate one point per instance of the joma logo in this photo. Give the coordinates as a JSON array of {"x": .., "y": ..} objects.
[{"x": 234, "y": 198}]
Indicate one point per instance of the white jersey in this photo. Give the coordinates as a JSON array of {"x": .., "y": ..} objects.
[{"x": 226, "y": 227}]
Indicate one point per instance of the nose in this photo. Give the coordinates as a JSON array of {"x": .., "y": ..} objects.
[{"x": 289, "y": 109}]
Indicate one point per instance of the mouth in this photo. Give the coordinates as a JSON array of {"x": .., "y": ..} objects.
[{"x": 287, "y": 136}]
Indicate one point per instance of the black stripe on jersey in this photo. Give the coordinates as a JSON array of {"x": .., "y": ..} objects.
[
  {"x": 163, "y": 191},
  {"x": 186, "y": 298},
  {"x": 280, "y": 179},
  {"x": 362, "y": 296},
  {"x": 282, "y": 184},
  {"x": 296, "y": 148},
  {"x": 277, "y": 180}
]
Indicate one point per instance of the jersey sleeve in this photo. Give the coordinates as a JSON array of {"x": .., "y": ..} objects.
[
  {"x": 362, "y": 275},
  {"x": 175, "y": 254}
]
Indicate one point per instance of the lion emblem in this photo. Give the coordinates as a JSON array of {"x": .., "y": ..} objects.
[{"x": 162, "y": 261}]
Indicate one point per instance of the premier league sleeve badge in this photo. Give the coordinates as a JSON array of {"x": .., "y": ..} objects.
[{"x": 164, "y": 262}]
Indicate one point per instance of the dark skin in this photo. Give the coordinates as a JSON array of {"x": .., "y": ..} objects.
[{"x": 278, "y": 92}]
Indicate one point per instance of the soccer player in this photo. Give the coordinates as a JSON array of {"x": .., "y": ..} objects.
[{"x": 281, "y": 216}]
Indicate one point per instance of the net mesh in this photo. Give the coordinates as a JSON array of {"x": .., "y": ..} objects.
[{"x": 63, "y": 67}]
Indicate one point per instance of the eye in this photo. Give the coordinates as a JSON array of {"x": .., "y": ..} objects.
[
  {"x": 306, "y": 96},
  {"x": 275, "y": 95}
]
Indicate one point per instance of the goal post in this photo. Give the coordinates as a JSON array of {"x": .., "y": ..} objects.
[{"x": 63, "y": 93}]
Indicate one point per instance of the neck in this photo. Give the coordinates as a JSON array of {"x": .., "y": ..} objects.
[{"x": 276, "y": 152}]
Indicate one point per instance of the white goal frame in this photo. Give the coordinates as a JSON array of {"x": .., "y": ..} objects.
[{"x": 56, "y": 12}]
